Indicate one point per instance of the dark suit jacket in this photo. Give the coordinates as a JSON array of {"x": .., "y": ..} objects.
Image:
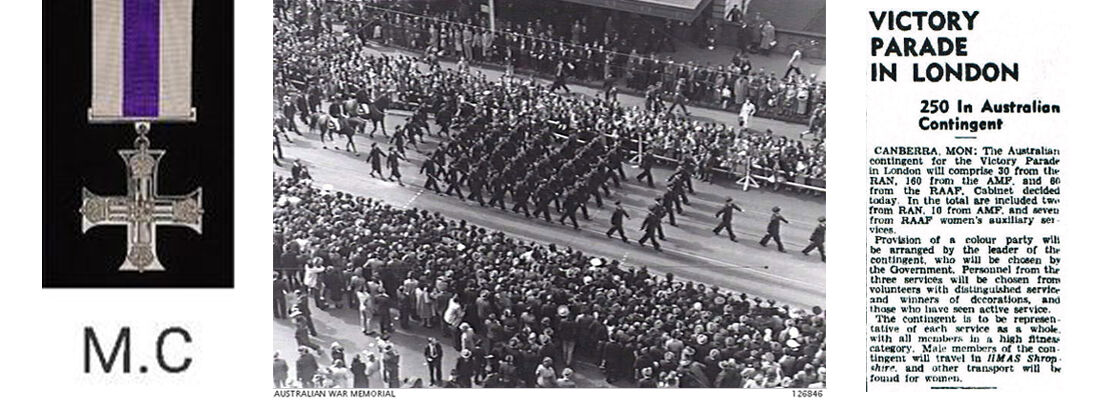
[{"x": 819, "y": 234}]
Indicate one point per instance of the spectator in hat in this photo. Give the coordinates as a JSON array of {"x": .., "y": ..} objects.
[
  {"x": 281, "y": 370},
  {"x": 306, "y": 366},
  {"x": 464, "y": 369},
  {"x": 391, "y": 363}
]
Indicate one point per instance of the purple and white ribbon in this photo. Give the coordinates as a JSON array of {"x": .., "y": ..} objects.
[{"x": 141, "y": 60}]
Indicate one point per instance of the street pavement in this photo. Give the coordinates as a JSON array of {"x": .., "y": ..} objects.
[{"x": 691, "y": 252}]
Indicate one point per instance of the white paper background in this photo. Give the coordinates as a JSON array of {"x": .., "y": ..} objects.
[{"x": 42, "y": 329}]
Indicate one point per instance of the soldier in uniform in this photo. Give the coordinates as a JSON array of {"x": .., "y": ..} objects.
[
  {"x": 773, "y": 230},
  {"x": 429, "y": 170},
  {"x": 476, "y": 182},
  {"x": 543, "y": 196},
  {"x": 647, "y": 165},
  {"x": 581, "y": 193},
  {"x": 454, "y": 181},
  {"x": 572, "y": 203},
  {"x": 498, "y": 189},
  {"x": 617, "y": 221},
  {"x": 686, "y": 170},
  {"x": 375, "y": 158},
  {"x": 650, "y": 225},
  {"x": 594, "y": 181},
  {"x": 336, "y": 109},
  {"x": 398, "y": 139},
  {"x": 668, "y": 201},
  {"x": 519, "y": 197},
  {"x": 817, "y": 239},
  {"x": 615, "y": 162},
  {"x": 658, "y": 210},
  {"x": 725, "y": 218},
  {"x": 394, "y": 164},
  {"x": 677, "y": 187}
]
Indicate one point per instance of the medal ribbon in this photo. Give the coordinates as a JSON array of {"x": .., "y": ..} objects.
[
  {"x": 141, "y": 55},
  {"x": 141, "y": 60}
]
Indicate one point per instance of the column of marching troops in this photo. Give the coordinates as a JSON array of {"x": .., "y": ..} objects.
[{"x": 493, "y": 158}]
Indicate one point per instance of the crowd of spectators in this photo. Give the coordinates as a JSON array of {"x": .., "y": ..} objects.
[
  {"x": 594, "y": 46},
  {"x": 519, "y": 313}
]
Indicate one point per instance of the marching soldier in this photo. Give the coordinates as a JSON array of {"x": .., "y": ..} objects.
[
  {"x": 519, "y": 199},
  {"x": 398, "y": 139},
  {"x": 647, "y": 165},
  {"x": 392, "y": 162},
  {"x": 582, "y": 199},
  {"x": 725, "y": 218},
  {"x": 570, "y": 212},
  {"x": 476, "y": 182},
  {"x": 454, "y": 181},
  {"x": 676, "y": 186},
  {"x": 773, "y": 230},
  {"x": 375, "y": 158},
  {"x": 650, "y": 225},
  {"x": 595, "y": 180},
  {"x": 817, "y": 239},
  {"x": 429, "y": 170},
  {"x": 686, "y": 171},
  {"x": 617, "y": 221},
  {"x": 575, "y": 199},
  {"x": 615, "y": 159},
  {"x": 543, "y": 196},
  {"x": 668, "y": 201},
  {"x": 658, "y": 210},
  {"x": 498, "y": 190}
]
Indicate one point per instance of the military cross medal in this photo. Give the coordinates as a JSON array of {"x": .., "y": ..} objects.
[{"x": 141, "y": 73}]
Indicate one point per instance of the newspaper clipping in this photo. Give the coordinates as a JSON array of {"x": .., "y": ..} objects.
[{"x": 964, "y": 203}]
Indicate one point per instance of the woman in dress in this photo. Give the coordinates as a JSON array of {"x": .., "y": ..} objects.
[{"x": 425, "y": 306}]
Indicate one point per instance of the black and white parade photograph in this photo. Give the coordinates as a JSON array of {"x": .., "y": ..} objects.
[
  {"x": 548, "y": 194},
  {"x": 137, "y": 144}
]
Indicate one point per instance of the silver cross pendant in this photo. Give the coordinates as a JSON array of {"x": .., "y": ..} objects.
[{"x": 142, "y": 209}]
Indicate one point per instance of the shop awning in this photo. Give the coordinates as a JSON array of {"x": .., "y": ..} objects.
[{"x": 683, "y": 10}]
